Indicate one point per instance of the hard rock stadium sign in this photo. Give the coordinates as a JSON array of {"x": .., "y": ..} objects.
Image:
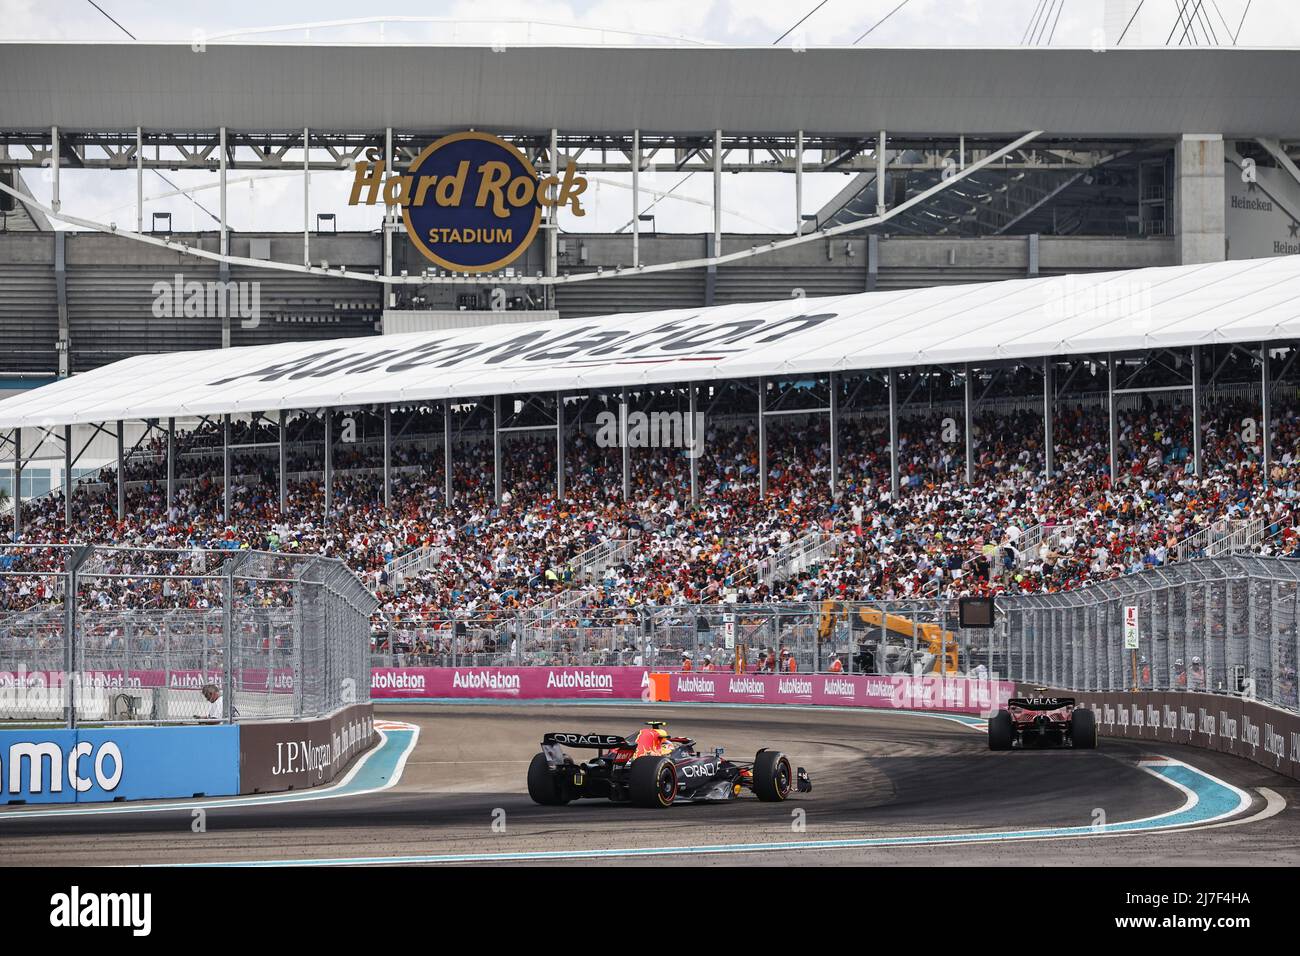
[{"x": 471, "y": 202}]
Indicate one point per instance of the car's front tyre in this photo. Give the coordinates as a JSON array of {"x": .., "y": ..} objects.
[{"x": 773, "y": 776}]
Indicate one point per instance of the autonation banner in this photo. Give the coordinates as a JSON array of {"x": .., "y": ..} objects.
[
  {"x": 903, "y": 692},
  {"x": 128, "y": 763},
  {"x": 517, "y": 683}
]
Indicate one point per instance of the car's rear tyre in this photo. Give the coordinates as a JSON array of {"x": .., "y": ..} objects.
[
  {"x": 545, "y": 787},
  {"x": 773, "y": 776},
  {"x": 1083, "y": 729},
  {"x": 1000, "y": 731},
  {"x": 652, "y": 782}
]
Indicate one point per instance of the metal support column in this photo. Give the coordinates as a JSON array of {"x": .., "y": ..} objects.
[
  {"x": 284, "y": 463},
  {"x": 226, "y": 510},
  {"x": 139, "y": 179},
  {"x": 121, "y": 471},
  {"x": 1266, "y": 408},
  {"x": 834, "y": 434},
  {"x": 622, "y": 440},
  {"x": 55, "y": 201},
  {"x": 223, "y": 240},
  {"x": 880, "y": 174},
  {"x": 553, "y": 222},
  {"x": 798, "y": 183},
  {"x": 446, "y": 452},
  {"x": 388, "y": 456},
  {"x": 559, "y": 446},
  {"x": 18, "y": 482},
  {"x": 306, "y": 196},
  {"x": 1196, "y": 410},
  {"x": 696, "y": 445},
  {"x": 636, "y": 198},
  {"x": 329, "y": 464},
  {"x": 893, "y": 435},
  {"x": 171, "y": 464},
  {"x": 717, "y": 192},
  {"x": 762, "y": 438},
  {"x": 1113, "y": 416},
  {"x": 1049, "y": 439},
  {"x": 969, "y": 407},
  {"x": 390, "y": 297},
  {"x": 67, "y": 476},
  {"x": 71, "y": 641},
  {"x": 496, "y": 448}
]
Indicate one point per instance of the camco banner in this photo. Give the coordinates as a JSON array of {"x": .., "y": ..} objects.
[
  {"x": 513, "y": 683},
  {"x": 1268, "y": 736},
  {"x": 902, "y": 692},
  {"x": 125, "y": 763}
]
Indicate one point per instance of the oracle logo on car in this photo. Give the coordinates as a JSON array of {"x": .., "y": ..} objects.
[
  {"x": 105, "y": 762},
  {"x": 471, "y": 202}
]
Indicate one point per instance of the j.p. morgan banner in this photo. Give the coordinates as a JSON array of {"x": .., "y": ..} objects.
[
  {"x": 471, "y": 202},
  {"x": 292, "y": 755},
  {"x": 1268, "y": 736}
]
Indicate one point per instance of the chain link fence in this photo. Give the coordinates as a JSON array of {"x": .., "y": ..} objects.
[
  {"x": 1225, "y": 625},
  {"x": 161, "y": 636}
]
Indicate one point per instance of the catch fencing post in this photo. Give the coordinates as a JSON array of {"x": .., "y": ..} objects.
[{"x": 74, "y": 562}]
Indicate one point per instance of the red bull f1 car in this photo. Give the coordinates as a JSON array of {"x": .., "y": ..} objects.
[
  {"x": 652, "y": 769},
  {"x": 1043, "y": 722}
]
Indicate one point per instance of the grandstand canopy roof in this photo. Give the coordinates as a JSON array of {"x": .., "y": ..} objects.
[
  {"x": 605, "y": 89},
  {"x": 1240, "y": 301}
]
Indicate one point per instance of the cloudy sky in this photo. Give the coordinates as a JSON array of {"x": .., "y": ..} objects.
[{"x": 757, "y": 202}]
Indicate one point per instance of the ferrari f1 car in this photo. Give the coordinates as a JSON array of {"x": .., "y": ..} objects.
[
  {"x": 1043, "y": 722},
  {"x": 651, "y": 769}
]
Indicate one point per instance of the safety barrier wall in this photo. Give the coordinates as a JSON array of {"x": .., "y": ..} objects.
[
  {"x": 509, "y": 683},
  {"x": 100, "y": 765},
  {"x": 1228, "y": 724},
  {"x": 951, "y": 694},
  {"x": 120, "y": 763},
  {"x": 284, "y": 755}
]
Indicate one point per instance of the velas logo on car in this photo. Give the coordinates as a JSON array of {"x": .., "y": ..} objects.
[{"x": 471, "y": 202}]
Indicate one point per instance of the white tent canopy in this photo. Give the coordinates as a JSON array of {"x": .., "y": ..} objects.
[{"x": 1242, "y": 301}]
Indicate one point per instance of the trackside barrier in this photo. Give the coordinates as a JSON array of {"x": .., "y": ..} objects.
[
  {"x": 510, "y": 683},
  {"x": 120, "y": 763},
  {"x": 904, "y": 692},
  {"x": 1266, "y": 735},
  {"x": 149, "y": 763}
]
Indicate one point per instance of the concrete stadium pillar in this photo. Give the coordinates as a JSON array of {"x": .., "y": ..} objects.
[{"x": 1199, "y": 198}]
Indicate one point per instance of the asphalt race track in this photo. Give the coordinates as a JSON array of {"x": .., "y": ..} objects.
[{"x": 888, "y": 788}]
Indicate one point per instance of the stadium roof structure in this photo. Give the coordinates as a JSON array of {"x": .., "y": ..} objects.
[
  {"x": 1226, "y": 302},
  {"x": 611, "y": 89}
]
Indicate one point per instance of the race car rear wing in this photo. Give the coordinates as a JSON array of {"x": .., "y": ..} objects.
[
  {"x": 589, "y": 741},
  {"x": 1040, "y": 703}
]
